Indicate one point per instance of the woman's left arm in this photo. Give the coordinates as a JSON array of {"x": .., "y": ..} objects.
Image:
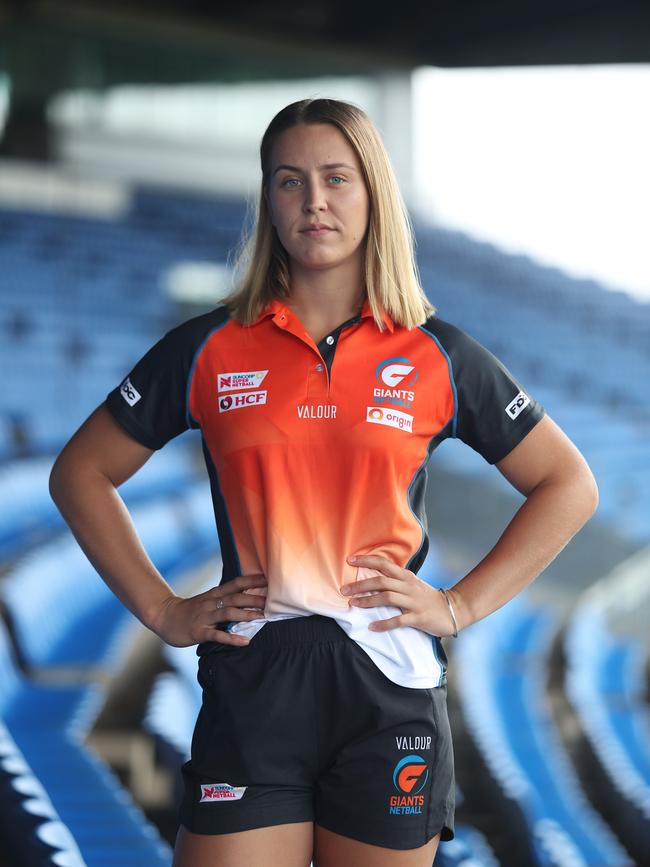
[{"x": 561, "y": 495}]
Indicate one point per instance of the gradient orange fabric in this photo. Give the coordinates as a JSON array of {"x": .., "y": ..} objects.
[{"x": 316, "y": 467}]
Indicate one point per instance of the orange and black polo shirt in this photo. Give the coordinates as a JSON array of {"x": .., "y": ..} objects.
[{"x": 316, "y": 452}]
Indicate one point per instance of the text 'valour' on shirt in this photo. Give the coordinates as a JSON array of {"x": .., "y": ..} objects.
[{"x": 318, "y": 452}]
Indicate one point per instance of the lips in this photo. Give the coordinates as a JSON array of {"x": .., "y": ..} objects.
[{"x": 316, "y": 230}]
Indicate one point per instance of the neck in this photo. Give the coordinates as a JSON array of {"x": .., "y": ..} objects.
[{"x": 323, "y": 296}]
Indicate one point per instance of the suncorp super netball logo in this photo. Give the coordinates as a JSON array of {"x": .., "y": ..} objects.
[{"x": 410, "y": 776}]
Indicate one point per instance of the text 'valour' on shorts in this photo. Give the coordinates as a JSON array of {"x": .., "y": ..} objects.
[{"x": 301, "y": 726}]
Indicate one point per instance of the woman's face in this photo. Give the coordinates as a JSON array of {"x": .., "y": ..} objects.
[{"x": 318, "y": 198}]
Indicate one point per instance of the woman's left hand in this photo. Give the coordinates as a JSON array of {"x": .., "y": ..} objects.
[{"x": 423, "y": 606}]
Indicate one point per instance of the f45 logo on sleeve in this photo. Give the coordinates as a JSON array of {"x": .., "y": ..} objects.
[
  {"x": 128, "y": 391},
  {"x": 517, "y": 405}
]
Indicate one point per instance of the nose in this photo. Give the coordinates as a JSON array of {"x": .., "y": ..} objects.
[{"x": 315, "y": 199}]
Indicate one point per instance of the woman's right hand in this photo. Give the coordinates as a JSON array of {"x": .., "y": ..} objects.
[{"x": 185, "y": 621}]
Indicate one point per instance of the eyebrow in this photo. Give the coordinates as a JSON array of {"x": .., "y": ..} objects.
[{"x": 326, "y": 166}]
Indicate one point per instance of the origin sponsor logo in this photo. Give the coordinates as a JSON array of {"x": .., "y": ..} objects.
[
  {"x": 517, "y": 405},
  {"x": 390, "y": 417},
  {"x": 128, "y": 391},
  {"x": 396, "y": 371},
  {"x": 239, "y": 401},
  {"x": 238, "y": 381},
  {"x": 221, "y": 792}
]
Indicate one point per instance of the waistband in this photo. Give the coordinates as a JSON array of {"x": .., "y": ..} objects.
[{"x": 298, "y": 630}]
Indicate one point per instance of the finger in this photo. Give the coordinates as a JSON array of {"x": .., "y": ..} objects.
[
  {"x": 398, "y": 600},
  {"x": 386, "y": 625},
  {"x": 235, "y": 600},
  {"x": 375, "y": 561},
  {"x": 241, "y": 582},
  {"x": 377, "y": 583},
  {"x": 223, "y": 637},
  {"x": 231, "y": 614}
]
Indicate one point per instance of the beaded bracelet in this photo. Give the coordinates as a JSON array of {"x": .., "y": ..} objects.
[{"x": 451, "y": 611}]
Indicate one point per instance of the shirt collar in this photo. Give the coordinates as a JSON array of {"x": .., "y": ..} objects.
[{"x": 281, "y": 311}]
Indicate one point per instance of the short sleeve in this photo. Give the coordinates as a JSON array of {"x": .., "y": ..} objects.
[
  {"x": 494, "y": 412},
  {"x": 151, "y": 402}
]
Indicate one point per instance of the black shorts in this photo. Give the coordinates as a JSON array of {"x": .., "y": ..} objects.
[{"x": 302, "y": 726}]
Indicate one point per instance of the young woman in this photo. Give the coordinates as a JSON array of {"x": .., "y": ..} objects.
[{"x": 321, "y": 388}]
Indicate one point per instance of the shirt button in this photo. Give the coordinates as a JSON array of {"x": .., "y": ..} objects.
[
  {"x": 318, "y": 367},
  {"x": 329, "y": 340}
]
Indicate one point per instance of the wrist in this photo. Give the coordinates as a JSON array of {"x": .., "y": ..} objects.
[
  {"x": 154, "y": 618},
  {"x": 451, "y": 613},
  {"x": 461, "y": 610}
]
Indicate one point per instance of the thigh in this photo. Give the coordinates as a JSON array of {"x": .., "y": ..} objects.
[
  {"x": 290, "y": 845},
  {"x": 334, "y": 850}
]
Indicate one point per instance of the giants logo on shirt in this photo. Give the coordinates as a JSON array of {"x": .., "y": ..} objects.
[
  {"x": 396, "y": 371},
  {"x": 238, "y": 381},
  {"x": 239, "y": 401}
]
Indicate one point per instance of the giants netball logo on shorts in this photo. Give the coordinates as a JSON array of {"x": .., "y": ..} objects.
[
  {"x": 410, "y": 776},
  {"x": 221, "y": 792}
]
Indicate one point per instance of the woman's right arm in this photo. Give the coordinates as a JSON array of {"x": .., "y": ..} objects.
[{"x": 83, "y": 482}]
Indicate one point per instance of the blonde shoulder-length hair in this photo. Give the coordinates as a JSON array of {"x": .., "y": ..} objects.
[{"x": 391, "y": 277}]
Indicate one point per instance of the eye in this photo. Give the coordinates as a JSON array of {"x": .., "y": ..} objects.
[
  {"x": 290, "y": 182},
  {"x": 339, "y": 180}
]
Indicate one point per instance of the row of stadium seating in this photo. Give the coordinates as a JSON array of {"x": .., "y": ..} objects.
[
  {"x": 501, "y": 665},
  {"x": 70, "y": 629},
  {"x": 605, "y": 683}
]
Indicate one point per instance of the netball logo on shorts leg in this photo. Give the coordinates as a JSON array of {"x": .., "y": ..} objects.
[
  {"x": 221, "y": 792},
  {"x": 410, "y": 776}
]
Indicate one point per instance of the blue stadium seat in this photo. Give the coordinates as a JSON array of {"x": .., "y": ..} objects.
[
  {"x": 64, "y": 614},
  {"x": 501, "y": 664},
  {"x": 47, "y": 725},
  {"x": 605, "y": 683}
]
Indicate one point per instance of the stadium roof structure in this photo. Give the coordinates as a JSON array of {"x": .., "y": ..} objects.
[{"x": 54, "y": 45}]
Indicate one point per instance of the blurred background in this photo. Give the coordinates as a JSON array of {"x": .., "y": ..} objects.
[{"x": 129, "y": 139}]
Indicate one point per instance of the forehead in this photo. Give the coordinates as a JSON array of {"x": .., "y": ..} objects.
[{"x": 310, "y": 145}]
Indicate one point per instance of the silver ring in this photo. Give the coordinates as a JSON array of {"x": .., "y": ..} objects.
[{"x": 220, "y": 603}]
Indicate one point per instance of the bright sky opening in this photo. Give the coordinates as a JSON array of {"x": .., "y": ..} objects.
[{"x": 548, "y": 161}]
